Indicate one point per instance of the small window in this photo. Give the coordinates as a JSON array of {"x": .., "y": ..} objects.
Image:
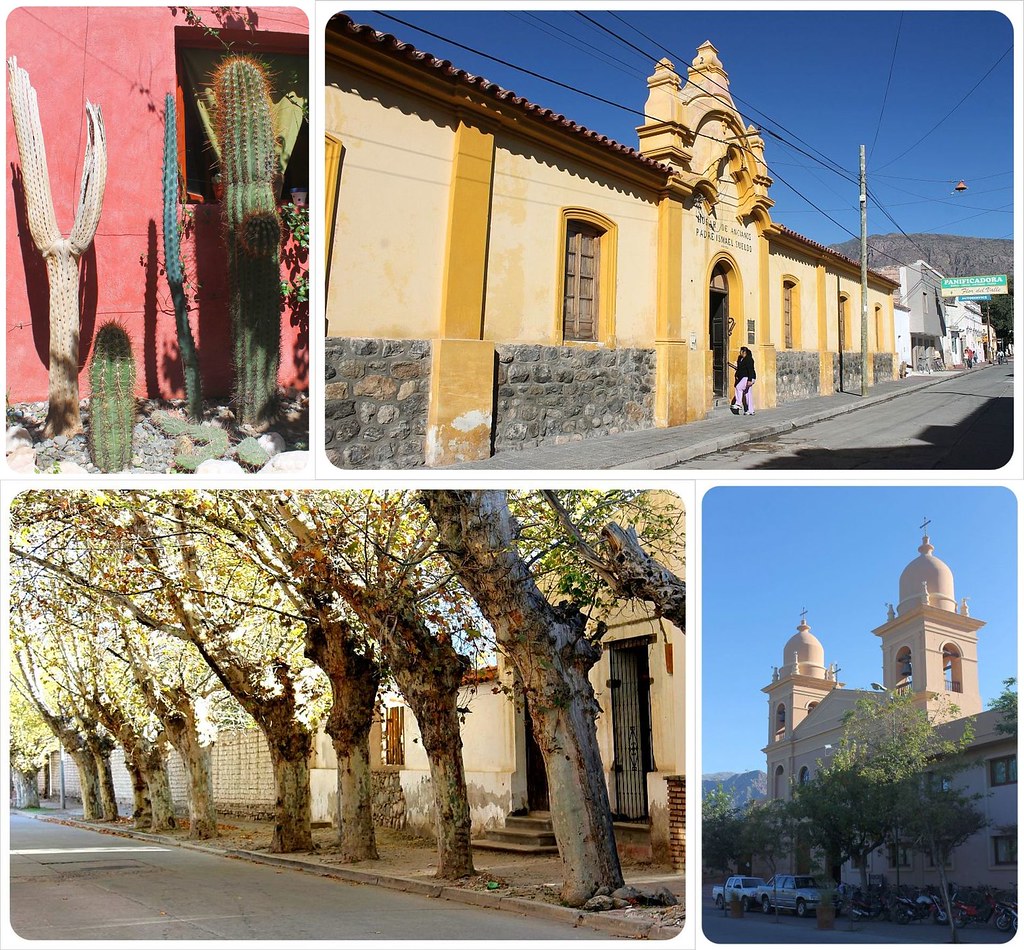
[
  {"x": 582, "y": 270},
  {"x": 394, "y": 736},
  {"x": 286, "y": 56},
  {"x": 787, "y": 313},
  {"x": 902, "y": 852},
  {"x": 1003, "y": 771},
  {"x": 1004, "y": 849},
  {"x": 805, "y": 775}
]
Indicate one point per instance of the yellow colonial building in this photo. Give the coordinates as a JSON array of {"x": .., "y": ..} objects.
[{"x": 500, "y": 277}]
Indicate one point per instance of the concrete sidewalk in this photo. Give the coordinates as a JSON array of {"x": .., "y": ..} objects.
[
  {"x": 410, "y": 867},
  {"x": 652, "y": 449}
]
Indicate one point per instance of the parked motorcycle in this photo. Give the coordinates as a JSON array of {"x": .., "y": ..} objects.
[
  {"x": 1006, "y": 916},
  {"x": 923, "y": 907},
  {"x": 861, "y": 908}
]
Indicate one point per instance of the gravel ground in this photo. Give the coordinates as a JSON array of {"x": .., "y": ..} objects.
[{"x": 153, "y": 451}]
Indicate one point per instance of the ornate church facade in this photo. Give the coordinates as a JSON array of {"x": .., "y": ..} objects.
[
  {"x": 929, "y": 644},
  {"x": 500, "y": 276}
]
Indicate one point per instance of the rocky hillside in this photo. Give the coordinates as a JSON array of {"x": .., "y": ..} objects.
[
  {"x": 950, "y": 254},
  {"x": 742, "y": 786}
]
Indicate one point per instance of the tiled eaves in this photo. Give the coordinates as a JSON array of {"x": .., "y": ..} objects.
[
  {"x": 831, "y": 252},
  {"x": 443, "y": 69}
]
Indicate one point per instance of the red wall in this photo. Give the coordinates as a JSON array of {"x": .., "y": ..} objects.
[{"x": 124, "y": 60}]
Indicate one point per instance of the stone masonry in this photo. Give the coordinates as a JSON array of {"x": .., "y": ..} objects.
[
  {"x": 376, "y": 397},
  {"x": 562, "y": 394},
  {"x": 852, "y": 365},
  {"x": 883, "y": 367},
  {"x": 388, "y": 799},
  {"x": 797, "y": 375}
]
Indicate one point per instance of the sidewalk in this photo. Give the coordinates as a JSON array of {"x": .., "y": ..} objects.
[
  {"x": 525, "y": 884},
  {"x": 652, "y": 449}
]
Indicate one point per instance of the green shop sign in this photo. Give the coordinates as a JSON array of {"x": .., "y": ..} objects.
[{"x": 960, "y": 286}]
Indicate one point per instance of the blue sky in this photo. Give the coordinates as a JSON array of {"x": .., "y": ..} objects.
[
  {"x": 769, "y": 552},
  {"x": 799, "y": 73}
]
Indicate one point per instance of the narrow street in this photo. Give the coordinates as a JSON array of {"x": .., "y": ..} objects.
[
  {"x": 72, "y": 884},
  {"x": 964, "y": 422}
]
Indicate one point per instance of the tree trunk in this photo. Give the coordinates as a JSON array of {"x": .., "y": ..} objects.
[
  {"x": 289, "y": 755},
  {"x": 355, "y": 677},
  {"x": 429, "y": 672},
  {"x": 108, "y": 797},
  {"x": 26, "y": 790},
  {"x": 162, "y": 817},
  {"x": 552, "y": 656},
  {"x": 142, "y": 810},
  {"x": 442, "y": 741},
  {"x": 89, "y": 779},
  {"x": 202, "y": 816}
]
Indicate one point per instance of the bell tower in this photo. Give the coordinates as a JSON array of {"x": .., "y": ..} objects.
[
  {"x": 796, "y": 688},
  {"x": 929, "y": 642}
]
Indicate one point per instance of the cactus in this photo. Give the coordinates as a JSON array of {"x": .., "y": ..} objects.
[
  {"x": 112, "y": 404},
  {"x": 195, "y": 443},
  {"x": 63, "y": 414},
  {"x": 252, "y": 230},
  {"x": 251, "y": 454},
  {"x": 174, "y": 268}
]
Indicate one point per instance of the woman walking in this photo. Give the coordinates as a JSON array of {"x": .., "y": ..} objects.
[{"x": 744, "y": 381}]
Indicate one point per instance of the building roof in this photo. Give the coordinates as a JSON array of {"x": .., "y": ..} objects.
[
  {"x": 390, "y": 46},
  {"x": 394, "y": 48}
]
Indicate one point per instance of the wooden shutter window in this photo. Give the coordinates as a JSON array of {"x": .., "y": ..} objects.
[
  {"x": 395, "y": 736},
  {"x": 582, "y": 267},
  {"x": 787, "y": 314}
]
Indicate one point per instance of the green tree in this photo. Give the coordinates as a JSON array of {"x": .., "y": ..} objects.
[
  {"x": 31, "y": 743},
  {"x": 767, "y": 832},
  {"x": 1006, "y": 703},
  {"x": 721, "y": 824},
  {"x": 1000, "y": 312}
]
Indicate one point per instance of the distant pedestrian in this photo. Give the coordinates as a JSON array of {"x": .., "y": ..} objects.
[{"x": 744, "y": 382}]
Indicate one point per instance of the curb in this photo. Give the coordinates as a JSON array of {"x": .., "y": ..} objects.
[
  {"x": 615, "y": 926},
  {"x": 664, "y": 460}
]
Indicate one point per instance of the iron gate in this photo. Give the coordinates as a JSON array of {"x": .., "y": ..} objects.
[{"x": 631, "y": 726}]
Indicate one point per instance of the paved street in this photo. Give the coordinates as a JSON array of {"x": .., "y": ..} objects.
[
  {"x": 961, "y": 419},
  {"x": 787, "y": 928},
  {"x": 963, "y": 422},
  {"x": 69, "y": 883}
]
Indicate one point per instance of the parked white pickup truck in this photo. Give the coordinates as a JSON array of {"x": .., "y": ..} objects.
[
  {"x": 799, "y": 893},
  {"x": 745, "y": 888}
]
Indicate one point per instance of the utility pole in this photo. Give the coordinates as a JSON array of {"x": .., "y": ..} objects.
[{"x": 863, "y": 276}]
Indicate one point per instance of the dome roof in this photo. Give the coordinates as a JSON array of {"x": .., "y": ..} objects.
[
  {"x": 926, "y": 569},
  {"x": 803, "y": 653}
]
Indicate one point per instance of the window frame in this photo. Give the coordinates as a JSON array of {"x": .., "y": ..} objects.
[
  {"x": 605, "y": 232},
  {"x": 789, "y": 299},
  {"x": 1012, "y": 841},
  {"x": 1010, "y": 760},
  {"x": 394, "y": 728},
  {"x": 243, "y": 42}
]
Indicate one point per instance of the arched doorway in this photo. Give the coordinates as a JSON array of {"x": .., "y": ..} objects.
[{"x": 718, "y": 327}]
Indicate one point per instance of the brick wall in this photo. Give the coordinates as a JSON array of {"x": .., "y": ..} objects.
[{"x": 677, "y": 820}]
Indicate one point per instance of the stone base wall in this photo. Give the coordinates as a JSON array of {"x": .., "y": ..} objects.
[
  {"x": 560, "y": 394},
  {"x": 388, "y": 800},
  {"x": 852, "y": 372},
  {"x": 376, "y": 398},
  {"x": 883, "y": 367},
  {"x": 797, "y": 375}
]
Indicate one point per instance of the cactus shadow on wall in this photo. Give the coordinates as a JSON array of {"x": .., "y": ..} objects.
[{"x": 211, "y": 302}]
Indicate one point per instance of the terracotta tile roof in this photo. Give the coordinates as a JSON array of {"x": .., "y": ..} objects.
[
  {"x": 485, "y": 674},
  {"x": 391, "y": 46},
  {"x": 832, "y": 251}
]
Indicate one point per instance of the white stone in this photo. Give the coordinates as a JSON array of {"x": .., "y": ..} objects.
[
  {"x": 219, "y": 467},
  {"x": 66, "y": 467},
  {"x": 290, "y": 462},
  {"x": 22, "y": 460},
  {"x": 18, "y": 436},
  {"x": 273, "y": 443}
]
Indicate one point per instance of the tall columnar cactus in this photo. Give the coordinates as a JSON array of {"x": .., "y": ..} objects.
[
  {"x": 175, "y": 270},
  {"x": 60, "y": 254},
  {"x": 112, "y": 404},
  {"x": 252, "y": 228}
]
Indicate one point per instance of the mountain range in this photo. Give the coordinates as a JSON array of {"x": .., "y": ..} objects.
[
  {"x": 741, "y": 786},
  {"x": 952, "y": 255}
]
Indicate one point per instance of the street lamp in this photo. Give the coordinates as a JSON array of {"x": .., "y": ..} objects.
[{"x": 896, "y": 830}]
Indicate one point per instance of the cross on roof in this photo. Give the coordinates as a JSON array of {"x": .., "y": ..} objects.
[
  {"x": 927, "y": 521},
  {"x": 803, "y": 615}
]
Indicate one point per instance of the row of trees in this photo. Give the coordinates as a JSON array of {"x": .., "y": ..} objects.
[
  {"x": 150, "y": 620},
  {"x": 892, "y": 780}
]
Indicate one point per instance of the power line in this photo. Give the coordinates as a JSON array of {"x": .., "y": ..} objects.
[
  {"x": 885, "y": 95},
  {"x": 951, "y": 111}
]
